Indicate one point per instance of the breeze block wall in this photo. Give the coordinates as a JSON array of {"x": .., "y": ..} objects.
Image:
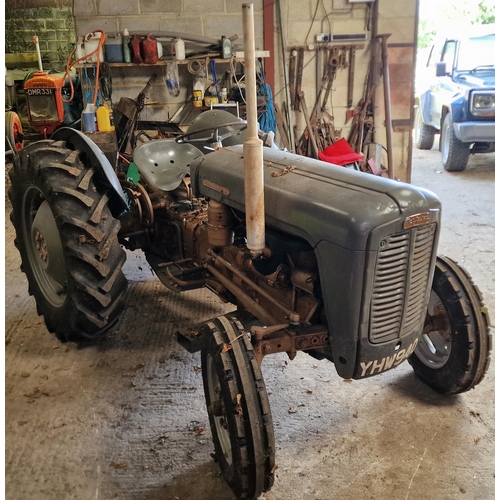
[{"x": 210, "y": 18}]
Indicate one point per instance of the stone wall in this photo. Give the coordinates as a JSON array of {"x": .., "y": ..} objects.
[{"x": 54, "y": 26}]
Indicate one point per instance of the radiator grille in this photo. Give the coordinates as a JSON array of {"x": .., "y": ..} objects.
[{"x": 401, "y": 277}]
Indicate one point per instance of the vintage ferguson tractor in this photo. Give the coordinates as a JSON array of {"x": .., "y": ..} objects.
[{"x": 337, "y": 263}]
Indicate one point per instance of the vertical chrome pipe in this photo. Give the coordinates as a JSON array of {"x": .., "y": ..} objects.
[
  {"x": 252, "y": 148},
  {"x": 37, "y": 45}
]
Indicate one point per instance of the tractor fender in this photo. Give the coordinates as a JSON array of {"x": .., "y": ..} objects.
[{"x": 78, "y": 140}]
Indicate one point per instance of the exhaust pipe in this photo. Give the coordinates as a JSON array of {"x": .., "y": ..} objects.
[{"x": 252, "y": 148}]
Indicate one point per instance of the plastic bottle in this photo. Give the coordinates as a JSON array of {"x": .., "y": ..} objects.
[
  {"x": 223, "y": 95},
  {"x": 89, "y": 121},
  {"x": 113, "y": 48},
  {"x": 179, "y": 49},
  {"x": 127, "y": 56},
  {"x": 227, "y": 48},
  {"x": 198, "y": 93},
  {"x": 105, "y": 121}
]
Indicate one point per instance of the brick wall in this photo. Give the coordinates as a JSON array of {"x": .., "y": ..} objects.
[{"x": 54, "y": 26}]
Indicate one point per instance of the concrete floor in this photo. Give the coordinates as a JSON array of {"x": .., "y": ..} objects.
[{"x": 125, "y": 418}]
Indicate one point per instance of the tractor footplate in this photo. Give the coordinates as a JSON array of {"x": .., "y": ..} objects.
[{"x": 180, "y": 275}]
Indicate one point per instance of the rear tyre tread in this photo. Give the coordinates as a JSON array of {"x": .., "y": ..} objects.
[{"x": 91, "y": 251}]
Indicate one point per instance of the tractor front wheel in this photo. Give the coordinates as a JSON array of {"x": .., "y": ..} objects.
[
  {"x": 238, "y": 409},
  {"x": 453, "y": 353}
]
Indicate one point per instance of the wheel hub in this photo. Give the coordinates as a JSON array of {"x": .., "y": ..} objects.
[
  {"x": 45, "y": 250},
  {"x": 41, "y": 246},
  {"x": 434, "y": 348}
]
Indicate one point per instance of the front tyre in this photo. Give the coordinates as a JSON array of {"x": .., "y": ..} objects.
[
  {"x": 454, "y": 152},
  {"x": 453, "y": 353},
  {"x": 424, "y": 134},
  {"x": 68, "y": 241},
  {"x": 238, "y": 409},
  {"x": 13, "y": 132}
]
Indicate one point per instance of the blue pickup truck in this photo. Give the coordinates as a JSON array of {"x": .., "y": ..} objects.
[{"x": 459, "y": 101}]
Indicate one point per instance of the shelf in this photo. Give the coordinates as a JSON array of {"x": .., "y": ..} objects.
[{"x": 163, "y": 62}]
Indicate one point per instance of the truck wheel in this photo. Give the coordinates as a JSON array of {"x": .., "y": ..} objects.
[
  {"x": 13, "y": 131},
  {"x": 454, "y": 355},
  {"x": 454, "y": 153},
  {"x": 238, "y": 409},
  {"x": 68, "y": 241},
  {"x": 424, "y": 134}
]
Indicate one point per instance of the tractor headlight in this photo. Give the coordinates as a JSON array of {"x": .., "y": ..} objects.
[{"x": 483, "y": 104}]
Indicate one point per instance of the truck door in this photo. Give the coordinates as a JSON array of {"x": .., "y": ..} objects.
[{"x": 442, "y": 88}]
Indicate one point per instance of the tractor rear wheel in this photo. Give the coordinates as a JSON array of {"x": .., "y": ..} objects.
[
  {"x": 238, "y": 409},
  {"x": 68, "y": 241},
  {"x": 453, "y": 353}
]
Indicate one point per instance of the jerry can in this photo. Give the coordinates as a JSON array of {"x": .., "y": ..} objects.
[
  {"x": 135, "y": 47},
  {"x": 149, "y": 50}
]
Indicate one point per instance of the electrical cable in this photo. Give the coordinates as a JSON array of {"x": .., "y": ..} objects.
[
  {"x": 195, "y": 67},
  {"x": 232, "y": 70},
  {"x": 326, "y": 15},
  {"x": 336, "y": 11},
  {"x": 312, "y": 22},
  {"x": 106, "y": 82}
]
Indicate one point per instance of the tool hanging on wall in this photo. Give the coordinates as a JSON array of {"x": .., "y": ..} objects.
[
  {"x": 387, "y": 103},
  {"x": 320, "y": 131},
  {"x": 350, "y": 78},
  {"x": 288, "y": 110},
  {"x": 296, "y": 68},
  {"x": 292, "y": 69},
  {"x": 126, "y": 141},
  {"x": 280, "y": 125},
  {"x": 296, "y": 103}
]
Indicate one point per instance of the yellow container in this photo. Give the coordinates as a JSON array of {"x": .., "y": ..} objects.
[
  {"x": 197, "y": 98},
  {"x": 105, "y": 121},
  {"x": 211, "y": 100}
]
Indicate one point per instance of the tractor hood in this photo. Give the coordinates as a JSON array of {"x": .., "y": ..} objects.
[
  {"x": 349, "y": 218},
  {"x": 311, "y": 199}
]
